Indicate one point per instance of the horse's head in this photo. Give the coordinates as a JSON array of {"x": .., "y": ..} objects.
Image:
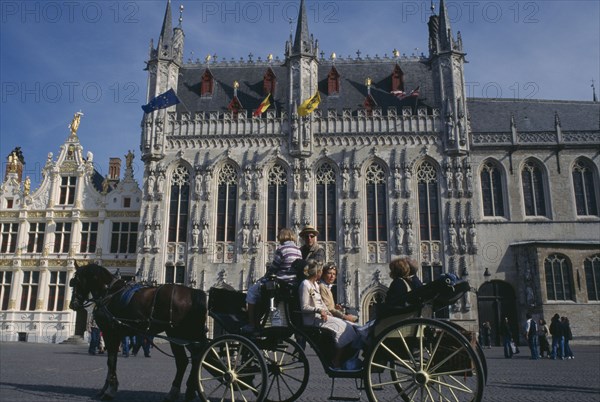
[{"x": 88, "y": 279}]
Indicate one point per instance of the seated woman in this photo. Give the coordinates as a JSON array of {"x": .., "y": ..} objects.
[
  {"x": 325, "y": 284},
  {"x": 315, "y": 313},
  {"x": 404, "y": 279}
]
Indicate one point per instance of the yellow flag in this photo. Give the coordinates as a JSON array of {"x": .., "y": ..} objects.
[{"x": 309, "y": 105}]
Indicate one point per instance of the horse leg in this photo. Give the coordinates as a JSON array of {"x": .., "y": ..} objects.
[
  {"x": 181, "y": 362},
  {"x": 192, "y": 386},
  {"x": 111, "y": 385}
]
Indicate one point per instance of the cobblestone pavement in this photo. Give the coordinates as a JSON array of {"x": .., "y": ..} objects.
[{"x": 31, "y": 372}]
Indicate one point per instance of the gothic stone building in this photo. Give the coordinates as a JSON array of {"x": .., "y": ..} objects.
[{"x": 395, "y": 161}]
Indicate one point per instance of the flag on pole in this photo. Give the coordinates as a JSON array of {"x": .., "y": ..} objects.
[
  {"x": 262, "y": 107},
  {"x": 309, "y": 105},
  {"x": 402, "y": 95},
  {"x": 162, "y": 101}
]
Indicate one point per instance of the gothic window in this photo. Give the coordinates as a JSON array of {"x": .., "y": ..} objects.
[
  {"x": 429, "y": 214},
  {"x": 558, "y": 278},
  {"x": 89, "y": 235},
  {"x": 29, "y": 290},
  {"x": 591, "y": 266},
  {"x": 269, "y": 81},
  {"x": 491, "y": 190},
  {"x": 5, "y": 283},
  {"x": 179, "y": 205},
  {"x": 326, "y": 202},
  {"x": 67, "y": 190},
  {"x": 429, "y": 273},
  {"x": 35, "y": 240},
  {"x": 124, "y": 237},
  {"x": 227, "y": 203},
  {"x": 9, "y": 237},
  {"x": 585, "y": 191},
  {"x": 533, "y": 189},
  {"x": 207, "y": 84},
  {"x": 333, "y": 82},
  {"x": 175, "y": 274},
  {"x": 397, "y": 79},
  {"x": 56, "y": 291},
  {"x": 277, "y": 201},
  {"x": 62, "y": 237},
  {"x": 377, "y": 227}
]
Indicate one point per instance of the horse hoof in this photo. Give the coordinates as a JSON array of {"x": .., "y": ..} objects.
[
  {"x": 190, "y": 395},
  {"x": 172, "y": 396},
  {"x": 106, "y": 397}
]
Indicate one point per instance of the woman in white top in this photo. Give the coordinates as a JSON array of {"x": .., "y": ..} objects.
[{"x": 315, "y": 313}]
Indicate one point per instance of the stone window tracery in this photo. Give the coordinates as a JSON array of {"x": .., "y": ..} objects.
[
  {"x": 179, "y": 205},
  {"x": 277, "y": 201},
  {"x": 559, "y": 284},
  {"x": 584, "y": 189},
  {"x": 226, "y": 213},
  {"x": 492, "y": 193},
  {"x": 533, "y": 189},
  {"x": 376, "y": 203},
  {"x": 326, "y": 198},
  {"x": 592, "y": 277}
]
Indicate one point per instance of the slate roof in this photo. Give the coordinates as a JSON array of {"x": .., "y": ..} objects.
[
  {"x": 353, "y": 90},
  {"x": 493, "y": 115}
]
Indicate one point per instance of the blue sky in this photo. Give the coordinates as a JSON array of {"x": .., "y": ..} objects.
[{"x": 59, "y": 57}]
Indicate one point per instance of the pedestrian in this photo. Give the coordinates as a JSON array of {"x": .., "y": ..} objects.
[
  {"x": 543, "y": 332},
  {"x": 531, "y": 333},
  {"x": 568, "y": 354},
  {"x": 94, "y": 332},
  {"x": 558, "y": 337},
  {"x": 143, "y": 342},
  {"x": 507, "y": 339},
  {"x": 486, "y": 334},
  {"x": 126, "y": 345}
]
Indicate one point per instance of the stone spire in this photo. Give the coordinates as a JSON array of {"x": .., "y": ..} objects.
[
  {"x": 304, "y": 44},
  {"x": 166, "y": 33},
  {"x": 445, "y": 33}
]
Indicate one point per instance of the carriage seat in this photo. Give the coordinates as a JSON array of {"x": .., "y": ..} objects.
[{"x": 228, "y": 308}]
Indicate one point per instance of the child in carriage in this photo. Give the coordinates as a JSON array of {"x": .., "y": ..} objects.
[
  {"x": 285, "y": 255},
  {"x": 403, "y": 272}
]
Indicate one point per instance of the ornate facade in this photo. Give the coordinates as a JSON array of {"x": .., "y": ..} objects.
[{"x": 502, "y": 192}]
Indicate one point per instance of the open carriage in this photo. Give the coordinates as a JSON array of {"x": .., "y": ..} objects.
[{"x": 407, "y": 356}]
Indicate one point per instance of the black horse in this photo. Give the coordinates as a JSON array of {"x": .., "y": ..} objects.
[{"x": 177, "y": 310}]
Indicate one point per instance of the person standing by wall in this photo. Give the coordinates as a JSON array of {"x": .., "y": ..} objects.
[
  {"x": 486, "y": 334},
  {"x": 568, "y": 354},
  {"x": 94, "y": 336},
  {"x": 531, "y": 334},
  {"x": 543, "y": 332},
  {"x": 506, "y": 338},
  {"x": 558, "y": 337}
]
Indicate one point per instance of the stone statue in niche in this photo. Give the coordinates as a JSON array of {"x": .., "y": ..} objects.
[
  {"x": 207, "y": 183},
  {"x": 407, "y": 181},
  {"x": 345, "y": 180},
  {"x": 397, "y": 180},
  {"x": 245, "y": 236},
  {"x": 453, "y": 237},
  {"x": 473, "y": 237},
  {"x": 462, "y": 233},
  {"x": 347, "y": 237},
  {"x": 458, "y": 176},
  {"x": 147, "y": 238},
  {"x": 195, "y": 236},
  {"x": 198, "y": 185},
  {"x": 255, "y": 235},
  {"x": 399, "y": 233}
]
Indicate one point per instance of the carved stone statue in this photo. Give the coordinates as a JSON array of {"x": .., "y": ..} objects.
[
  {"x": 473, "y": 237},
  {"x": 27, "y": 186},
  {"x": 469, "y": 177},
  {"x": 147, "y": 237},
  {"x": 397, "y": 180},
  {"x": 407, "y": 179},
  {"x": 207, "y": 183},
  {"x": 204, "y": 235},
  {"x": 195, "y": 236},
  {"x": 245, "y": 236},
  {"x": 256, "y": 175},
  {"x": 399, "y": 236},
  {"x": 105, "y": 185},
  {"x": 458, "y": 176},
  {"x": 449, "y": 178},
  {"x": 247, "y": 183},
  {"x": 198, "y": 185},
  {"x": 410, "y": 238},
  {"x": 255, "y": 235},
  {"x": 74, "y": 126},
  {"x": 129, "y": 159},
  {"x": 453, "y": 236},
  {"x": 356, "y": 236},
  {"x": 347, "y": 237},
  {"x": 345, "y": 180},
  {"x": 306, "y": 180},
  {"x": 151, "y": 181},
  {"x": 462, "y": 233}
]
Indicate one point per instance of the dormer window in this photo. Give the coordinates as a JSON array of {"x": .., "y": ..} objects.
[
  {"x": 207, "y": 84},
  {"x": 397, "y": 79},
  {"x": 269, "y": 81},
  {"x": 333, "y": 82}
]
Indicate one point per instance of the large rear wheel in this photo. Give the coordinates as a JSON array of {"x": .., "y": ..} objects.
[
  {"x": 232, "y": 369},
  {"x": 421, "y": 359}
]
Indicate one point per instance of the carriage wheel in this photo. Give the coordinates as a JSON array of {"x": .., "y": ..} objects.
[
  {"x": 421, "y": 359},
  {"x": 288, "y": 370},
  {"x": 232, "y": 369},
  {"x": 478, "y": 349}
]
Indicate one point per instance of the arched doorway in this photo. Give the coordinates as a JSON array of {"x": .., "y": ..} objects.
[
  {"x": 495, "y": 300},
  {"x": 374, "y": 297}
]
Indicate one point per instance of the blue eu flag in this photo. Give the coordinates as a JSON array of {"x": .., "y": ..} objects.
[{"x": 162, "y": 101}]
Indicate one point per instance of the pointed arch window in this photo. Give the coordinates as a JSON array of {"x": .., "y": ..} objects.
[
  {"x": 584, "y": 189},
  {"x": 207, "y": 83},
  {"x": 227, "y": 203},
  {"x": 269, "y": 82},
  {"x": 179, "y": 205},
  {"x": 491, "y": 190},
  {"x": 559, "y": 285},
  {"x": 533, "y": 189},
  {"x": 333, "y": 82},
  {"x": 277, "y": 201},
  {"x": 397, "y": 79},
  {"x": 592, "y": 277},
  {"x": 429, "y": 214},
  {"x": 326, "y": 197},
  {"x": 376, "y": 203}
]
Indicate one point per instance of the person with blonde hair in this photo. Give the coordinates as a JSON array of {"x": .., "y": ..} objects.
[
  {"x": 287, "y": 252},
  {"x": 404, "y": 279},
  {"x": 315, "y": 313}
]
